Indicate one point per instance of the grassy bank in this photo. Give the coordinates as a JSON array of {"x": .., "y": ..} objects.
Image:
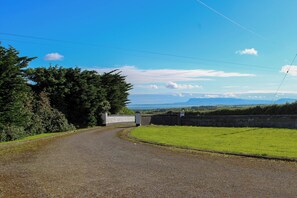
[
  {"x": 256, "y": 141},
  {"x": 34, "y": 137}
]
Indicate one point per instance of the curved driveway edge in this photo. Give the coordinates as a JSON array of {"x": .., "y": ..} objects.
[{"x": 99, "y": 164}]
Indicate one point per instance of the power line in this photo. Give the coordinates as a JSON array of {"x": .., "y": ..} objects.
[
  {"x": 133, "y": 50},
  {"x": 229, "y": 19},
  {"x": 281, "y": 83}
]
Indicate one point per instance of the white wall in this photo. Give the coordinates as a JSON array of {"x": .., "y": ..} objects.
[{"x": 119, "y": 119}]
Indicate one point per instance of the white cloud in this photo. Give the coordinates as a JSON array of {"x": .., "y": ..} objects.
[
  {"x": 53, "y": 56},
  {"x": 212, "y": 96},
  {"x": 248, "y": 51},
  {"x": 256, "y": 97},
  {"x": 142, "y": 76},
  {"x": 153, "y": 86},
  {"x": 147, "y": 86},
  {"x": 173, "y": 85},
  {"x": 234, "y": 86},
  {"x": 180, "y": 95},
  {"x": 292, "y": 69}
]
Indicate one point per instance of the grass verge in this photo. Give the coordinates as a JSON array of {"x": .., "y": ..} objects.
[
  {"x": 260, "y": 142},
  {"x": 33, "y": 137}
]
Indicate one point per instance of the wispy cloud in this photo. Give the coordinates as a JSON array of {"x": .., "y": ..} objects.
[
  {"x": 146, "y": 76},
  {"x": 248, "y": 51},
  {"x": 291, "y": 69},
  {"x": 173, "y": 85},
  {"x": 153, "y": 86},
  {"x": 179, "y": 95},
  {"x": 234, "y": 86},
  {"x": 53, "y": 56}
]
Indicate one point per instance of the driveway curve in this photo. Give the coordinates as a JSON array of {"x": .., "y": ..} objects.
[{"x": 97, "y": 163}]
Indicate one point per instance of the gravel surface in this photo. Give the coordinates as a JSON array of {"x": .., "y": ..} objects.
[{"x": 98, "y": 163}]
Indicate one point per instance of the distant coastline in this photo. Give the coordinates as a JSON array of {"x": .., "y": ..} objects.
[{"x": 210, "y": 102}]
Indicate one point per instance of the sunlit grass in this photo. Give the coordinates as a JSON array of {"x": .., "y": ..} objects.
[
  {"x": 33, "y": 137},
  {"x": 257, "y": 141}
]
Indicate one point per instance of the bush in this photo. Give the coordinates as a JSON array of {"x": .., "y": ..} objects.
[
  {"x": 49, "y": 119},
  {"x": 57, "y": 122},
  {"x": 10, "y": 133},
  {"x": 126, "y": 111}
]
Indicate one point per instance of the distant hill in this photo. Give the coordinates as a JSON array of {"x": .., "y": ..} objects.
[
  {"x": 211, "y": 102},
  {"x": 285, "y": 100}
]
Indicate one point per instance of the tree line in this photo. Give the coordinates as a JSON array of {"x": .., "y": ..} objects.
[
  {"x": 285, "y": 109},
  {"x": 40, "y": 100}
]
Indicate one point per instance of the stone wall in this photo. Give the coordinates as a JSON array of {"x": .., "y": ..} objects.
[
  {"x": 275, "y": 121},
  {"x": 161, "y": 119}
]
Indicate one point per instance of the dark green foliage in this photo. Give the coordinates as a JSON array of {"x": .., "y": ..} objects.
[
  {"x": 81, "y": 95},
  {"x": 52, "y": 81},
  {"x": 126, "y": 111},
  {"x": 47, "y": 118},
  {"x": 75, "y": 93},
  {"x": 14, "y": 94},
  {"x": 105, "y": 106},
  {"x": 54, "y": 96},
  {"x": 116, "y": 89},
  {"x": 84, "y": 97},
  {"x": 286, "y": 109},
  {"x": 20, "y": 112}
]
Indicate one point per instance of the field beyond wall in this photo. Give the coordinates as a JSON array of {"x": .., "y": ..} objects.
[{"x": 267, "y": 142}]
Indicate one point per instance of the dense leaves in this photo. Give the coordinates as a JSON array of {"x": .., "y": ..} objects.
[
  {"x": 14, "y": 94},
  {"x": 285, "y": 109},
  {"x": 48, "y": 119},
  {"x": 40, "y": 100},
  {"x": 116, "y": 90},
  {"x": 81, "y": 95}
]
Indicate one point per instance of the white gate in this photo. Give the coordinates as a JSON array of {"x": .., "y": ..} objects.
[{"x": 112, "y": 119}]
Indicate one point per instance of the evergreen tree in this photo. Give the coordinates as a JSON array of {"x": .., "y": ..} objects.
[
  {"x": 52, "y": 81},
  {"x": 117, "y": 90},
  {"x": 81, "y": 95},
  {"x": 85, "y": 97},
  {"x": 76, "y": 93},
  {"x": 14, "y": 94}
]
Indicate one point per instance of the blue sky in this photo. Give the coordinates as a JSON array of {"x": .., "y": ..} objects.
[{"x": 186, "y": 49}]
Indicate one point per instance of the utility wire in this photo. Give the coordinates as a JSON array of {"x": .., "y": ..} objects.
[
  {"x": 229, "y": 19},
  {"x": 281, "y": 83},
  {"x": 133, "y": 50}
]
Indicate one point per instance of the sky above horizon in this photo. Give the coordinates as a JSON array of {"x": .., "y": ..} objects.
[{"x": 188, "y": 48}]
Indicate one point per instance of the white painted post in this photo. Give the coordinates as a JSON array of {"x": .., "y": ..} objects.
[
  {"x": 138, "y": 119},
  {"x": 182, "y": 113},
  {"x": 104, "y": 118}
]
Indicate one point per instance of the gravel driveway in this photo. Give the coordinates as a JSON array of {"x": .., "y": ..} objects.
[{"x": 99, "y": 164}]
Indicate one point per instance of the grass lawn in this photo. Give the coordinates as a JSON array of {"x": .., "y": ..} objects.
[{"x": 257, "y": 141}]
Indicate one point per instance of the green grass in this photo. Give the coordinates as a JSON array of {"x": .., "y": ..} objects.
[
  {"x": 33, "y": 137},
  {"x": 256, "y": 141}
]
